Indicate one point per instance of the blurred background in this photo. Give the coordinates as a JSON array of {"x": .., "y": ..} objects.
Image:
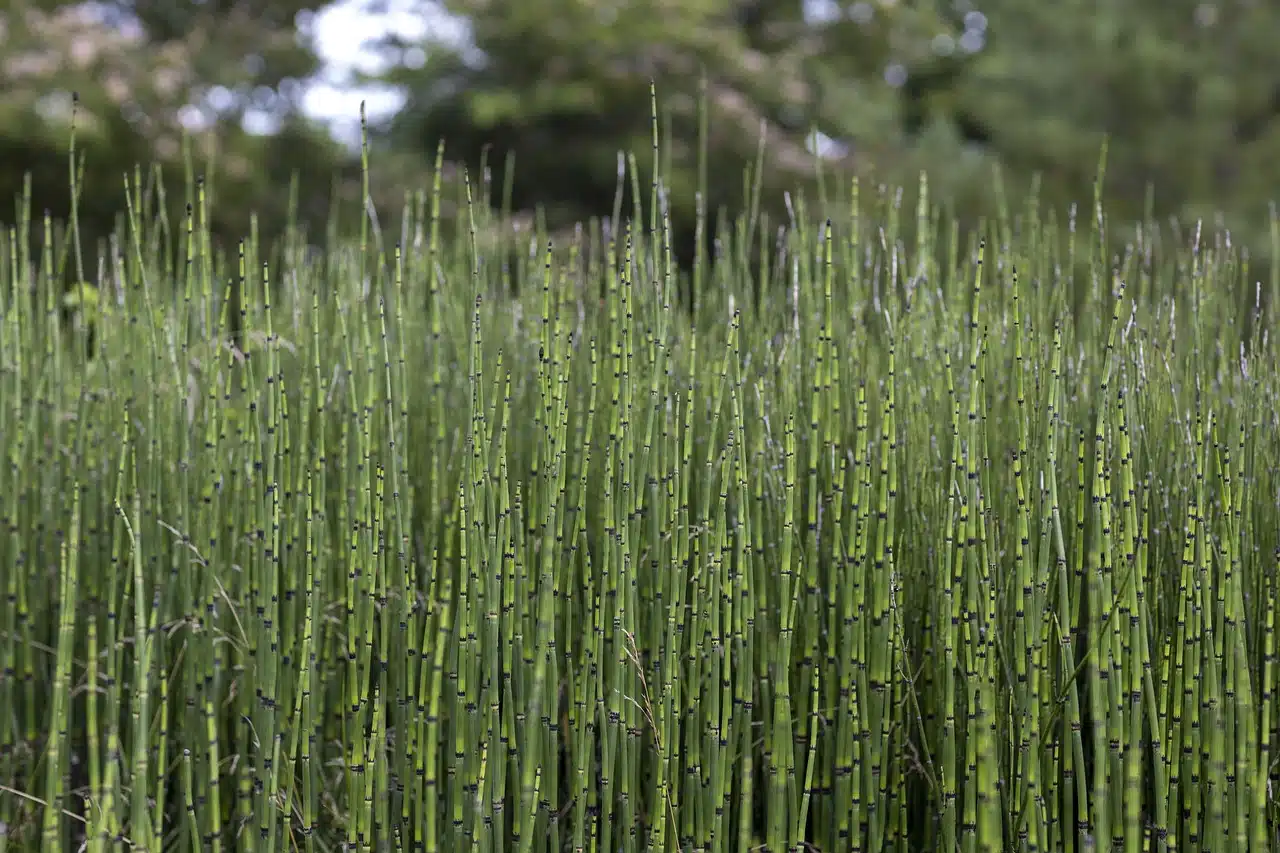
[{"x": 258, "y": 91}]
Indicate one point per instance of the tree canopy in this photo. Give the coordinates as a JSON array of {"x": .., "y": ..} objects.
[
  {"x": 142, "y": 80},
  {"x": 1187, "y": 95}
]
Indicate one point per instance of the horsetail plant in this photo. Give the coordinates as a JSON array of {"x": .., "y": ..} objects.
[{"x": 919, "y": 535}]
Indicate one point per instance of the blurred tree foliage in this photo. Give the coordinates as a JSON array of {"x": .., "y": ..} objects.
[
  {"x": 562, "y": 86},
  {"x": 1188, "y": 94},
  {"x": 141, "y": 70}
]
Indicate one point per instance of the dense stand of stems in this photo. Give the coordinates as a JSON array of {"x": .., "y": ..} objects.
[{"x": 421, "y": 546}]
